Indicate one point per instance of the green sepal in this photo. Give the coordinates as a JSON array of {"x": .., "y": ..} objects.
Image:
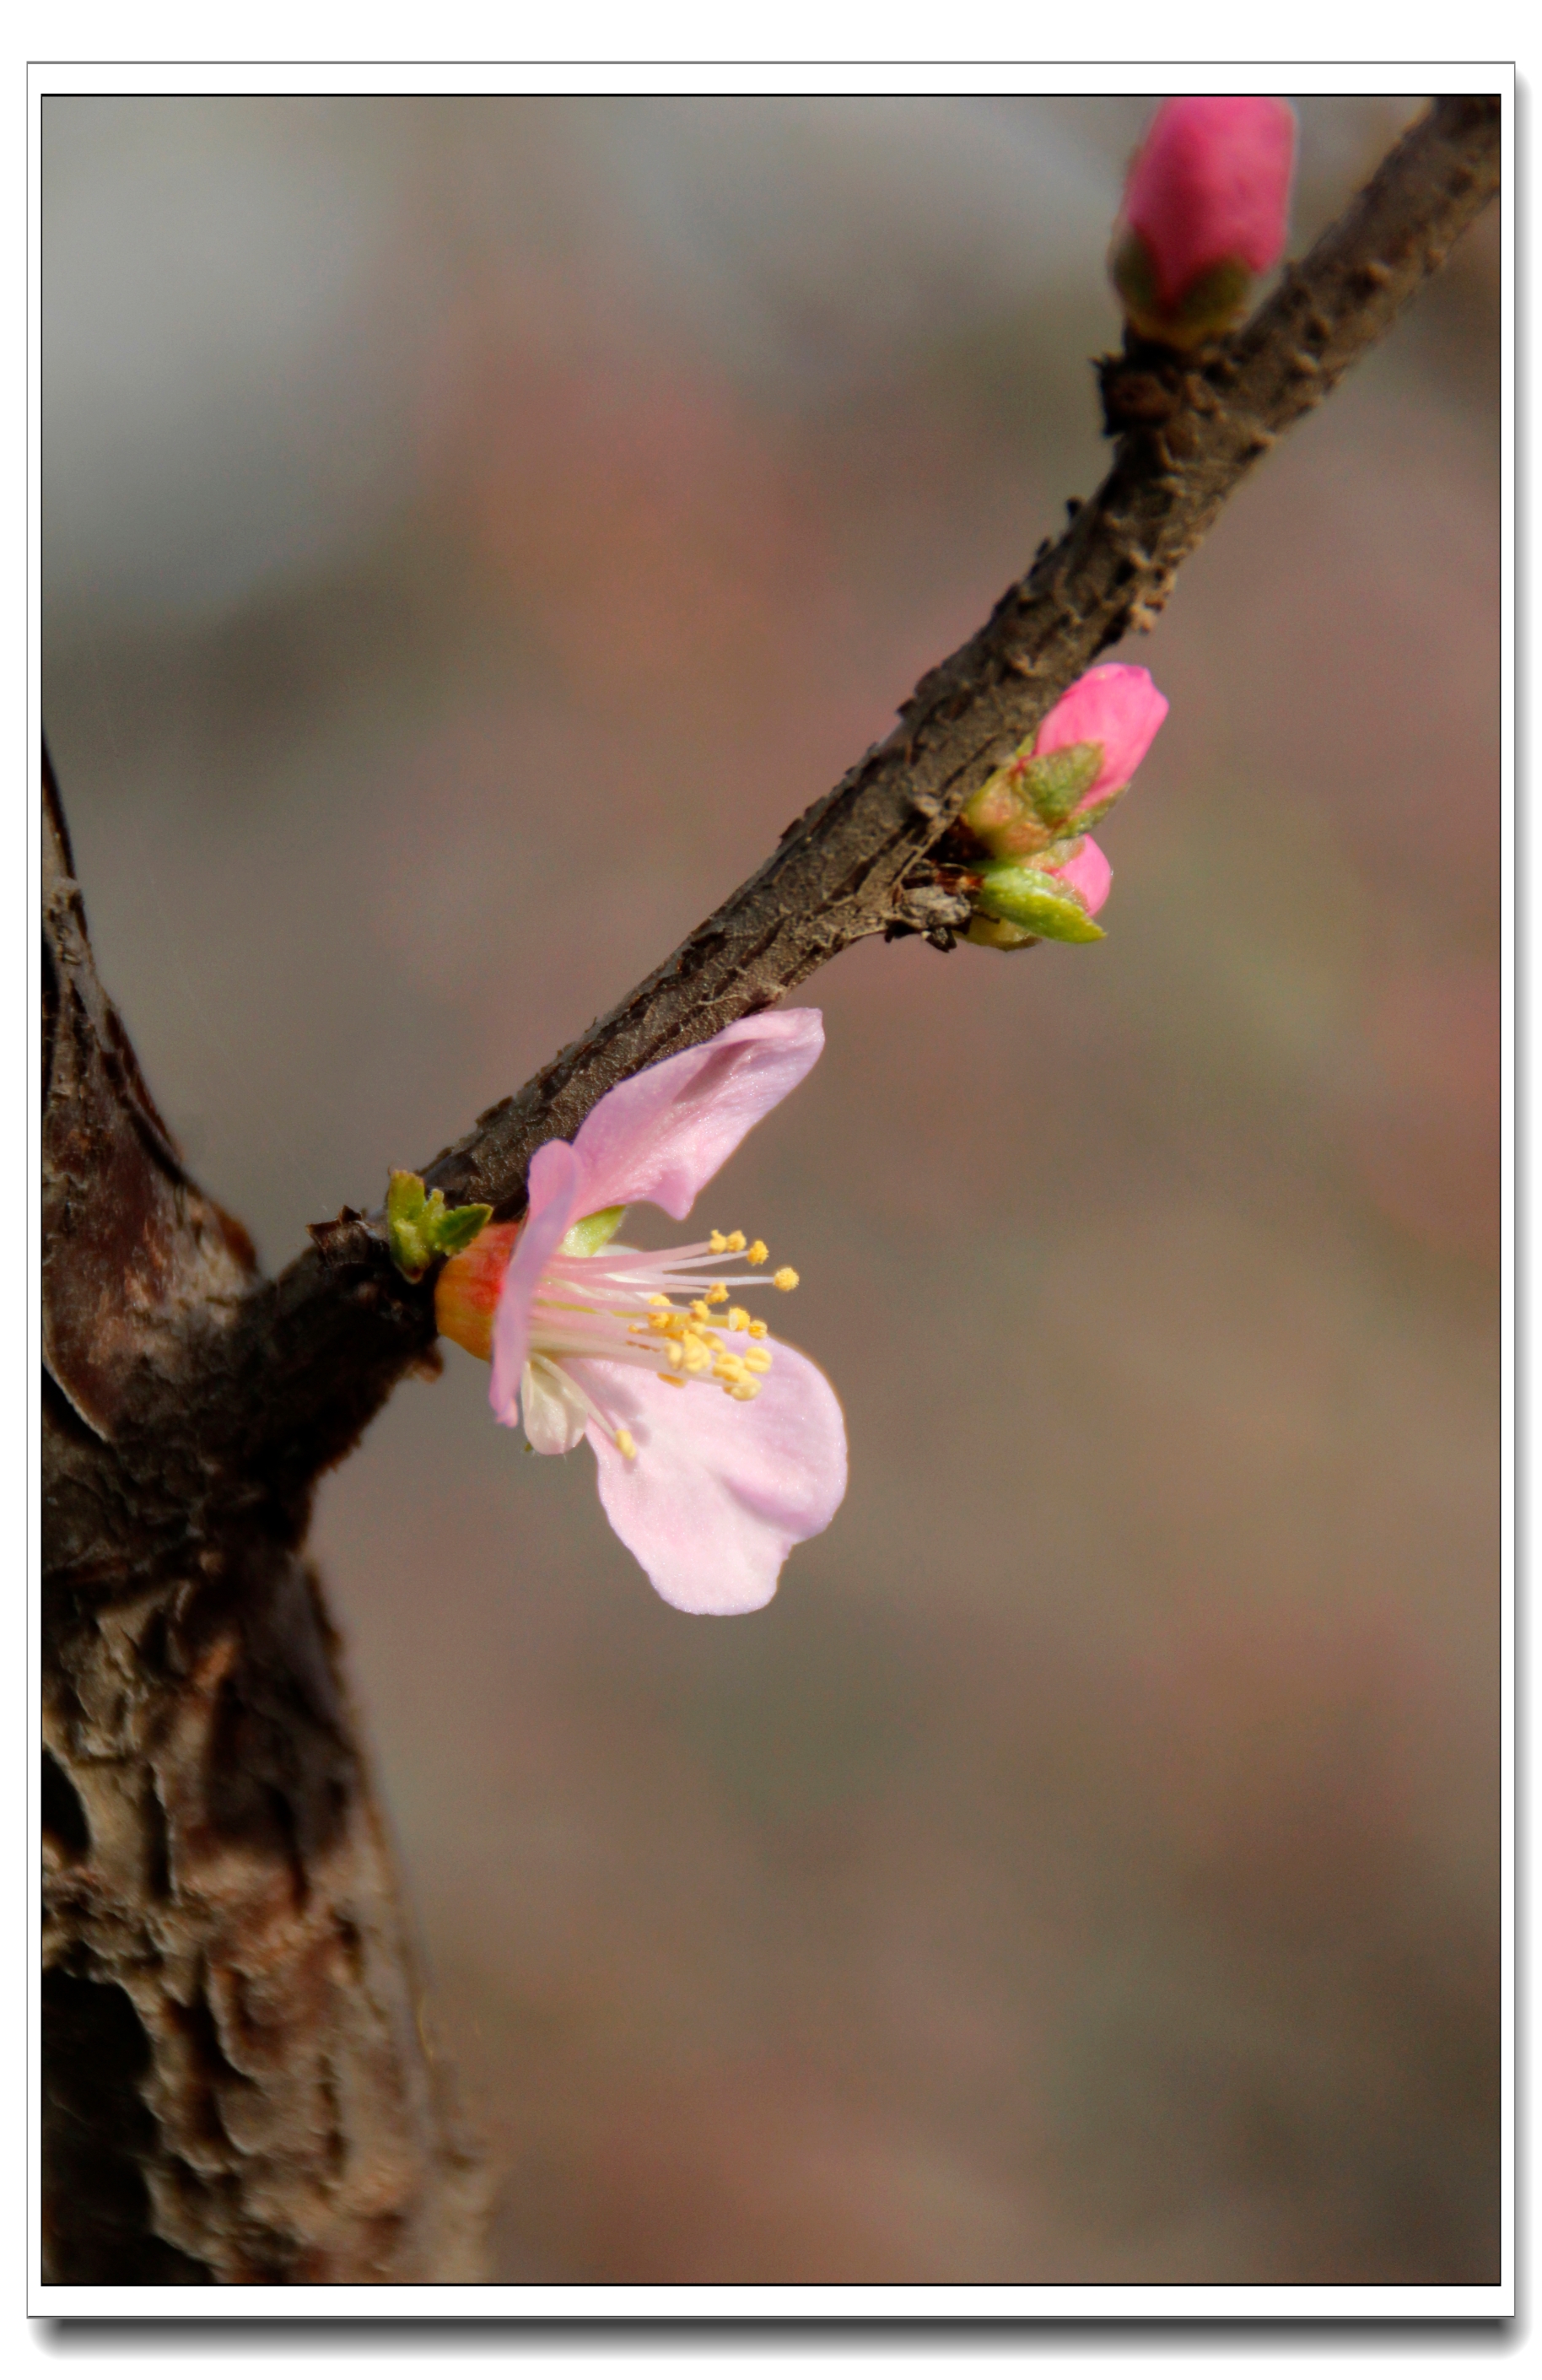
[
  {"x": 995, "y": 803},
  {"x": 1135, "y": 276},
  {"x": 1211, "y": 302},
  {"x": 1092, "y": 814},
  {"x": 421, "y": 1227},
  {"x": 591, "y": 1232},
  {"x": 1209, "y": 305},
  {"x": 1055, "y": 782},
  {"x": 995, "y": 934},
  {"x": 1038, "y": 902}
]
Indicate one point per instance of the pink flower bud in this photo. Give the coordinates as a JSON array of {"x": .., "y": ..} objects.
[
  {"x": 1114, "y": 705},
  {"x": 1088, "y": 873},
  {"x": 1207, "y": 206}
]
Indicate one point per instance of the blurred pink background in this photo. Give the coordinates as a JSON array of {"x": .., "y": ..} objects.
[{"x": 473, "y": 528}]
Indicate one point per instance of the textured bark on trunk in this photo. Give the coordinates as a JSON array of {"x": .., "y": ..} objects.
[{"x": 238, "y": 2082}]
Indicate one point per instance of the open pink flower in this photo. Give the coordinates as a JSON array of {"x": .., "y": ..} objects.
[
  {"x": 1116, "y": 705},
  {"x": 719, "y": 1449},
  {"x": 1206, "y": 207}
]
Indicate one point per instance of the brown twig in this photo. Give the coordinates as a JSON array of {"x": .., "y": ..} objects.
[{"x": 335, "y": 1331}]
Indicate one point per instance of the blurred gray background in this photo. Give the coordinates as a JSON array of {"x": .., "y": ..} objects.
[{"x": 472, "y": 529}]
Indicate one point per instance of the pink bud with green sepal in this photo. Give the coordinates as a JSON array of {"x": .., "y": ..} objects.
[{"x": 1206, "y": 207}]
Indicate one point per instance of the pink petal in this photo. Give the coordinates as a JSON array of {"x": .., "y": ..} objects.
[
  {"x": 664, "y": 1132},
  {"x": 555, "y": 1182},
  {"x": 1116, "y": 705},
  {"x": 719, "y": 1493},
  {"x": 1212, "y": 185},
  {"x": 1089, "y": 873}
]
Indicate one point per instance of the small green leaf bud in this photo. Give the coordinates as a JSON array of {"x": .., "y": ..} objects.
[
  {"x": 421, "y": 1227},
  {"x": 454, "y": 1228},
  {"x": 404, "y": 1202}
]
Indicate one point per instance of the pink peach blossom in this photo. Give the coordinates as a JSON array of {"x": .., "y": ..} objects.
[
  {"x": 593, "y": 1340},
  {"x": 1116, "y": 705}
]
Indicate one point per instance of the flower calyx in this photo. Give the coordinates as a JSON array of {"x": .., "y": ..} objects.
[
  {"x": 1029, "y": 818},
  {"x": 1025, "y": 807},
  {"x": 1017, "y": 903},
  {"x": 421, "y": 1228}
]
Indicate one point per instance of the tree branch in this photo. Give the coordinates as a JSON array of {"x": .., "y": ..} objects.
[
  {"x": 1187, "y": 437},
  {"x": 322, "y": 1347}
]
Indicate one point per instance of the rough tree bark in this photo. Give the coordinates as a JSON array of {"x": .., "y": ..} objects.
[
  {"x": 237, "y": 2084},
  {"x": 238, "y": 2081}
]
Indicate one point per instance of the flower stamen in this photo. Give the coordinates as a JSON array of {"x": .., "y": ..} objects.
[{"x": 629, "y": 1306}]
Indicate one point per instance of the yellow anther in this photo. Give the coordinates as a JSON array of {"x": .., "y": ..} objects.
[
  {"x": 737, "y": 1318},
  {"x": 627, "y": 1444},
  {"x": 698, "y": 1356},
  {"x": 757, "y": 1328},
  {"x": 675, "y": 1353},
  {"x": 699, "y": 1310},
  {"x": 718, "y": 1293},
  {"x": 735, "y": 1242},
  {"x": 670, "y": 1381},
  {"x": 657, "y": 1297},
  {"x": 758, "y": 1251},
  {"x": 742, "y": 1391},
  {"x": 785, "y": 1279},
  {"x": 756, "y": 1359},
  {"x": 717, "y": 1244}
]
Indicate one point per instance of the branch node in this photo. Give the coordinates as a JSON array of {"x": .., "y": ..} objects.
[{"x": 346, "y": 1240}]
